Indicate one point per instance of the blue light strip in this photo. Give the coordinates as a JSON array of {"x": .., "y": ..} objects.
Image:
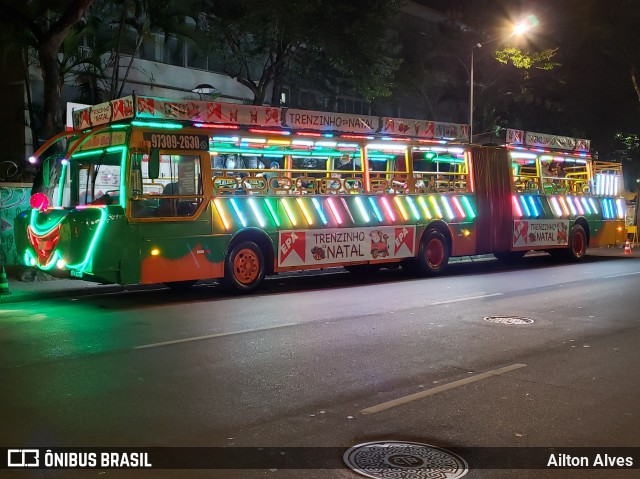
[
  {"x": 318, "y": 207},
  {"x": 468, "y": 207},
  {"x": 534, "y": 208},
  {"x": 239, "y": 214},
  {"x": 363, "y": 210},
  {"x": 525, "y": 207},
  {"x": 414, "y": 208},
  {"x": 376, "y": 210}
]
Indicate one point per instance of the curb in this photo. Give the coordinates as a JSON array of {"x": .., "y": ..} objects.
[{"x": 23, "y": 296}]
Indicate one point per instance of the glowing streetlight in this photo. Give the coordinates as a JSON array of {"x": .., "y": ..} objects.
[{"x": 519, "y": 28}]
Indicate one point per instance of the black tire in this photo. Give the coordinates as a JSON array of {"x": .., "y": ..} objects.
[
  {"x": 362, "y": 269},
  {"x": 181, "y": 285},
  {"x": 510, "y": 256},
  {"x": 433, "y": 255},
  {"x": 244, "y": 268},
  {"x": 578, "y": 243},
  {"x": 577, "y": 248}
]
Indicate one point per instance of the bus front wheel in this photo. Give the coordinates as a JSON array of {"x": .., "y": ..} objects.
[
  {"x": 433, "y": 255},
  {"x": 244, "y": 268}
]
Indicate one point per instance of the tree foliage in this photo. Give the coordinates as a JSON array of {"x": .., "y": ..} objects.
[
  {"x": 527, "y": 60},
  {"x": 45, "y": 25},
  {"x": 262, "y": 44}
]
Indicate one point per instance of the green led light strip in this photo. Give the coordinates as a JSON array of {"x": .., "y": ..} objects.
[{"x": 151, "y": 124}]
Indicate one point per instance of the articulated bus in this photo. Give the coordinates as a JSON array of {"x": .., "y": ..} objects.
[{"x": 154, "y": 190}]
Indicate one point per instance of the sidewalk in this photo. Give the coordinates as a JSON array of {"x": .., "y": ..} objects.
[
  {"x": 45, "y": 286},
  {"x": 49, "y": 287}
]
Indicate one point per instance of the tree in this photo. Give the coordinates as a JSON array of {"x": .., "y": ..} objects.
[
  {"x": 46, "y": 24},
  {"x": 260, "y": 44},
  {"x": 145, "y": 18}
]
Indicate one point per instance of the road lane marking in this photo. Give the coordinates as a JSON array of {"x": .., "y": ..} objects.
[
  {"x": 469, "y": 298},
  {"x": 211, "y": 336},
  {"x": 622, "y": 274},
  {"x": 445, "y": 387}
]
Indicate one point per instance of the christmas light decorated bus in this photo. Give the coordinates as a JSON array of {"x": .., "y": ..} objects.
[{"x": 160, "y": 191}]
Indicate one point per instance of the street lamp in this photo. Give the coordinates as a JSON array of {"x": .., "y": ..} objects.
[
  {"x": 518, "y": 29},
  {"x": 204, "y": 89}
]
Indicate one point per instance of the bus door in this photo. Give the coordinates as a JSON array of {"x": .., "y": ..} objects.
[
  {"x": 492, "y": 179},
  {"x": 172, "y": 219}
]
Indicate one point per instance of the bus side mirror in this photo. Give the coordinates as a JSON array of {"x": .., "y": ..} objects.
[
  {"x": 154, "y": 164},
  {"x": 46, "y": 173}
]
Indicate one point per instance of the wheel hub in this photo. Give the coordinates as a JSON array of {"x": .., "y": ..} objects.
[{"x": 246, "y": 266}]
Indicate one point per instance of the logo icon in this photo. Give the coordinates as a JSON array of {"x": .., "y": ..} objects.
[{"x": 23, "y": 458}]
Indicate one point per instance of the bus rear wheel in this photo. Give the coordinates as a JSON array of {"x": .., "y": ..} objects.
[
  {"x": 244, "y": 267},
  {"x": 577, "y": 244},
  {"x": 433, "y": 255},
  {"x": 577, "y": 248}
]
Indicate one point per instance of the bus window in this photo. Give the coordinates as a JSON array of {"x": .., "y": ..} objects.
[
  {"x": 93, "y": 179},
  {"x": 176, "y": 193}
]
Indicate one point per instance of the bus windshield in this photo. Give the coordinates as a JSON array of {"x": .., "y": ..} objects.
[{"x": 94, "y": 178}]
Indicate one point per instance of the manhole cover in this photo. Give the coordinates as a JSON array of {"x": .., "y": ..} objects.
[
  {"x": 508, "y": 319},
  {"x": 404, "y": 460}
]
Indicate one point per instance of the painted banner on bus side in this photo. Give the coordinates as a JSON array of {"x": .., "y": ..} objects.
[
  {"x": 345, "y": 245},
  {"x": 543, "y": 140},
  {"x": 540, "y": 233}
]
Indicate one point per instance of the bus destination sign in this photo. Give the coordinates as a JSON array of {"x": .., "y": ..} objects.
[{"x": 177, "y": 141}]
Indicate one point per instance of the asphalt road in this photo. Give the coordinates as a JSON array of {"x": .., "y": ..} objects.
[{"x": 333, "y": 361}]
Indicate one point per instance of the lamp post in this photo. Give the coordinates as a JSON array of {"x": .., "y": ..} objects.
[
  {"x": 478, "y": 45},
  {"x": 518, "y": 29}
]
